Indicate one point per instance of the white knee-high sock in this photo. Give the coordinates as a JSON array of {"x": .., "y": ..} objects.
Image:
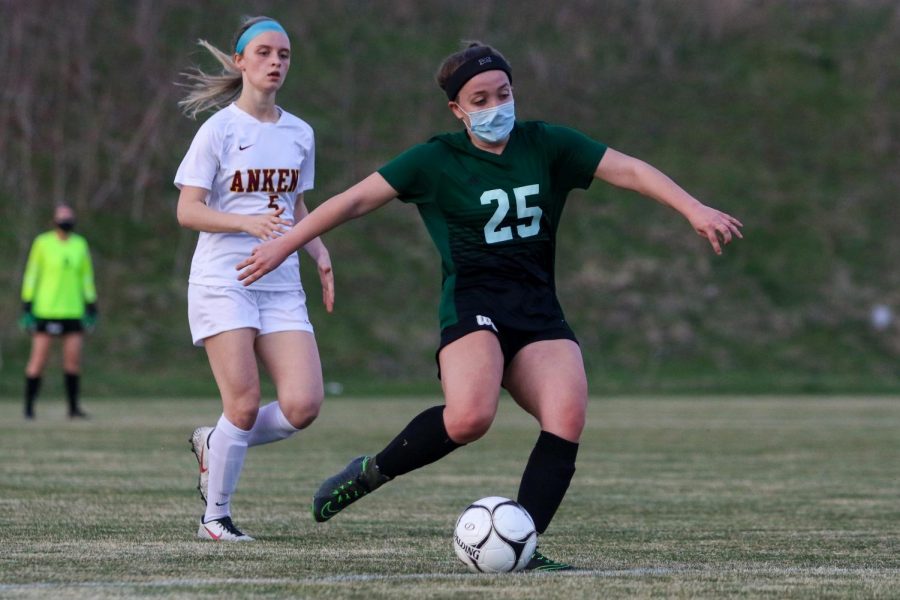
[
  {"x": 271, "y": 425},
  {"x": 227, "y": 449}
]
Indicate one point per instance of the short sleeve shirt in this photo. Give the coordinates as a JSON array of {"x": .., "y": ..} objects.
[
  {"x": 248, "y": 167},
  {"x": 493, "y": 217}
]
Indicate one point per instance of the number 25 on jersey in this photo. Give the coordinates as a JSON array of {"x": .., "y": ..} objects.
[{"x": 493, "y": 233}]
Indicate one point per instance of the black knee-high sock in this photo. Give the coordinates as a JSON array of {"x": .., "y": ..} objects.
[
  {"x": 546, "y": 477},
  {"x": 73, "y": 381},
  {"x": 421, "y": 443},
  {"x": 32, "y": 387}
]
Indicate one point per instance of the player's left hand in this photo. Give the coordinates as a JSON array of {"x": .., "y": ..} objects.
[
  {"x": 326, "y": 276},
  {"x": 265, "y": 258},
  {"x": 717, "y": 227},
  {"x": 89, "y": 320}
]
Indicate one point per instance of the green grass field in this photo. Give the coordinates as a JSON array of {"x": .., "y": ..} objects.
[{"x": 717, "y": 497}]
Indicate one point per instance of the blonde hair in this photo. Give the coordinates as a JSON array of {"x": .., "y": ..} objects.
[{"x": 212, "y": 92}]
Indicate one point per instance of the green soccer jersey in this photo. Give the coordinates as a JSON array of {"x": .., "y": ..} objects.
[
  {"x": 494, "y": 217},
  {"x": 59, "y": 277}
]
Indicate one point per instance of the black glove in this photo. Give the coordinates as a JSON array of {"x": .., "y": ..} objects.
[
  {"x": 27, "y": 320},
  {"x": 89, "y": 320}
]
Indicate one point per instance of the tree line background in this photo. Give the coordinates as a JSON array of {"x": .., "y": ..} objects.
[{"x": 783, "y": 113}]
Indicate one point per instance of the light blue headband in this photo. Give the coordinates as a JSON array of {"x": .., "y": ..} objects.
[{"x": 253, "y": 31}]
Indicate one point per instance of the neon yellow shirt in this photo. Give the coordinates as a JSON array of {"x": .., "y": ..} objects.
[{"x": 59, "y": 277}]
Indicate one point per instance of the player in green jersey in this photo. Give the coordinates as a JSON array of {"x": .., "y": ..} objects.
[
  {"x": 491, "y": 197},
  {"x": 58, "y": 299}
]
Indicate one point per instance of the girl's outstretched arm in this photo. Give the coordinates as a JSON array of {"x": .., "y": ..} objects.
[
  {"x": 364, "y": 197},
  {"x": 624, "y": 171}
]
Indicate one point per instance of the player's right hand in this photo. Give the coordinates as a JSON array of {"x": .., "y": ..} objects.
[{"x": 267, "y": 226}]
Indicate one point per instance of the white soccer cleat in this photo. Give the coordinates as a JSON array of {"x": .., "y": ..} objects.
[
  {"x": 221, "y": 530},
  {"x": 200, "y": 446}
]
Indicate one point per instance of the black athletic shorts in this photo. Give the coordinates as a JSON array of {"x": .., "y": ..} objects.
[
  {"x": 512, "y": 339},
  {"x": 58, "y": 326}
]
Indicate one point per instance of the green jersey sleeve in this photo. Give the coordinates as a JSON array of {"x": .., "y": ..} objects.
[
  {"x": 410, "y": 174},
  {"x": 573, "y": 156},
  {"x": 87, "y": 277},
  {"x": 32, "y": 271}
]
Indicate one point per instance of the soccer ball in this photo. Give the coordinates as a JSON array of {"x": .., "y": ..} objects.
[{"x": 494, "y": 535}]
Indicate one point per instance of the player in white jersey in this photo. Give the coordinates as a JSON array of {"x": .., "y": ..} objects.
[{"x": 242, "y": 182}]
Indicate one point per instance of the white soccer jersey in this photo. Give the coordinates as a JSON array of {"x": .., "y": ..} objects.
[{"x": 248, "y": 167}]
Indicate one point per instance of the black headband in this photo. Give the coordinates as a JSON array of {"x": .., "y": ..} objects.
[{"x": 472, "y": 67}]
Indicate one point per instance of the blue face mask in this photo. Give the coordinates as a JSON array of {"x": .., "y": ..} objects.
[{"x": 493, "y": 125}]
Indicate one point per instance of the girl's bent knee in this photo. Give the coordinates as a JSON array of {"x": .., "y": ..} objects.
[
  {"x": 569, "y": 428},
  {"x": 302, "y": 414},
  {"x": 242, "y": 418},
  {"x": 468, "y": 429}
]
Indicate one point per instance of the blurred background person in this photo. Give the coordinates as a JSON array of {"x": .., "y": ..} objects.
[{"x": 59, "y": 299}]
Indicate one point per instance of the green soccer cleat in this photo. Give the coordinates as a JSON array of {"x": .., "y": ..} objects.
[
  {"x": 539, "y": 562},
  {"x": 357, "y": 479}
]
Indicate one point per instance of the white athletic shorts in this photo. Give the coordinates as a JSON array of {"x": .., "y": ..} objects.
[{"x": 213, "y": 309}]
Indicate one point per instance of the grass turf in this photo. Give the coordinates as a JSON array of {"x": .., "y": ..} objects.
[{"x": 715, "y": 497}]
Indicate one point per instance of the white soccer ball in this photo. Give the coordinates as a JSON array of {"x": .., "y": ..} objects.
[{"x": 494, "y": 535}]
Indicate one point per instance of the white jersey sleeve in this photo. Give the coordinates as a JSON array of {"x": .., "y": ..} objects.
[
  {"x": 201, "y": 163},
  {"x": 249, "y": 168},
  {"x": 308, "y": 175}
]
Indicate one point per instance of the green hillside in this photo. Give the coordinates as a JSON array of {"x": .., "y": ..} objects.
[{"x": 781, "y": 113}]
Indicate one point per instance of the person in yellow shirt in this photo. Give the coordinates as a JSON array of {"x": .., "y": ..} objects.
[{"x": 58, "y": 299}]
